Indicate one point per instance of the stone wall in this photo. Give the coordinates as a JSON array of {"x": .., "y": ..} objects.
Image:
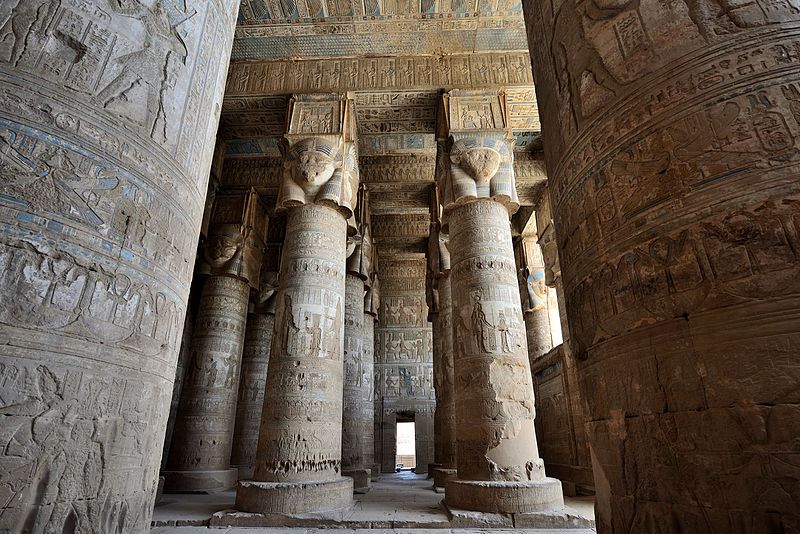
[{"x": 404, "y": 359}]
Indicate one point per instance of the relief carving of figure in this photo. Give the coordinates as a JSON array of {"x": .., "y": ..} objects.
[
  {"x": 572, "y": 67},
  {"x": 313, "y": 172},
  {"x": 482, "y": 329},
  {"x": 23, "y": 18},
  {"x": 506, "y": 336},
  {"x": 156, "y": 66}
]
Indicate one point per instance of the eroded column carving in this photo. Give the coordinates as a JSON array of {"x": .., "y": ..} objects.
[
  {"x": 253, "y": 376},
  {"x": 298, "y": 461},
  {"x": 200, "y": 456},
  {"x": 671, "y": 139},
  {"x": 107, "y": 121},
  {"x": 358, "y": 410},
  {"x": 499, "y": 469}
]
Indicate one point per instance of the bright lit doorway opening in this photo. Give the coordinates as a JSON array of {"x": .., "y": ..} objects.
[{"x": 406, "y": 446}]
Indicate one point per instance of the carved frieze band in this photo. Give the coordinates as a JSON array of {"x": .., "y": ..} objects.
[{"x": 474, "y": 70}]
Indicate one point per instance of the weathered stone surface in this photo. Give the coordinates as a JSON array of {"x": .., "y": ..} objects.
[
  {"x": 494, "y": 393},
  {"x": 671, "y": 144},
  {"x": 443, "y": 378},
  {"x": 300, "y": 441},
  {"x": 356, "y": 418},
  {"x": 537, "y": 298},
  {"x": 295, "y": 497},
  {"x": 253, "y": 377},
  {"x": 184, "y": 357},
  {"x": 107, "y": 118}
]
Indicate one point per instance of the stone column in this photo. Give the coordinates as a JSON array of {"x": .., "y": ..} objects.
[
  {"x": 535, "y": 296},
  {"x": 432, "y": 300},
  {"x": 499, "y": 469},
  {"x": 354, "y": 432},
  {"x": 107, "y": 125},
  {"x": 253, "y": 376},
  {"x": 298, "y": 462},
  {"x": 358, "y": 409},
  {"x": 441, "y": 311},
  {"x": 445, "y": 403},
  {"x": 677, "y": 208},
  {"x": 200, "y": 455},
  {"x": 372, "y": 304}
]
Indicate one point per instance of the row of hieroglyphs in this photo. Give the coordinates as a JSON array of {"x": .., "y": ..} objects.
[
  {"x": 512, "y": 68},
  {"x": 63, "y": 294}
]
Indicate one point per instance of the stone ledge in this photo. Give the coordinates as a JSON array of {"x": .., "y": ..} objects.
[
  {"x": 563, "y": 518},
  {"x": 199, "y": 481},
  {"x": 323, "y": 498},
  {"x": 507, "y": 497}
]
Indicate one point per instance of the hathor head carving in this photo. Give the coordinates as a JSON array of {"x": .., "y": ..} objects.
[
  {"x": 480, "y": 163},
  {"x": 313, "y": 163},
  {"x": 223, "y": 246}
]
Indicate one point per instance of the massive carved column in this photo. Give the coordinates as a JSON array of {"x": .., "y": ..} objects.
[
  {"x": 671, "y": 136},
  {"x": 298, "y": 463},
  {"x": 107, "y": 121},
  {"x": 358, "y": 411},
  {"x": 200, "y": 455},
  {"x": 253, "y": 376},
  {"x": 499, "y": 469}
]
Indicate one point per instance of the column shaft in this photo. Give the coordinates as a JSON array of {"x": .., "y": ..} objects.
[
  {"x": 184, "y": 357},
  {"x": 445, "y": 402},
  {"x": 203, "y": 436},
  {"x": 357, "y": 387},
  {"x": 537, "y": 307},
  {"x": 108, "y": 114},
  {"x": 675, "y": 194},
  {"x": 494, "y": 392},
  {"x": 253, "y": 377},
  {"x": 368, "y": 399},
  {"x": 298, "y": 462}
]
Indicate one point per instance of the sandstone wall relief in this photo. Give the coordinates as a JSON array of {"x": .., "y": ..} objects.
[{"x": 403, "y": 359}]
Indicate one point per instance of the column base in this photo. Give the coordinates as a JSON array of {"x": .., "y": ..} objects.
[
  {"x": 504, "y": 496},
  {"x": 294, "y": 497},
  {"x": 245, "y": 471},
  {"x": 441, "y": 476},
  {"x": 200, "y": 481},
  {"x": 160, "y": 489},
  {"x": 361, "y": 479},
  {"x": 431, "y": 467}
]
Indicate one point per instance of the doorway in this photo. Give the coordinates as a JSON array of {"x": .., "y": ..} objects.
[{"x": 406, "y": 456}]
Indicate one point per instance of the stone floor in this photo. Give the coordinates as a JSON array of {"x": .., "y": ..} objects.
[{"x": 399, "y": 502}]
